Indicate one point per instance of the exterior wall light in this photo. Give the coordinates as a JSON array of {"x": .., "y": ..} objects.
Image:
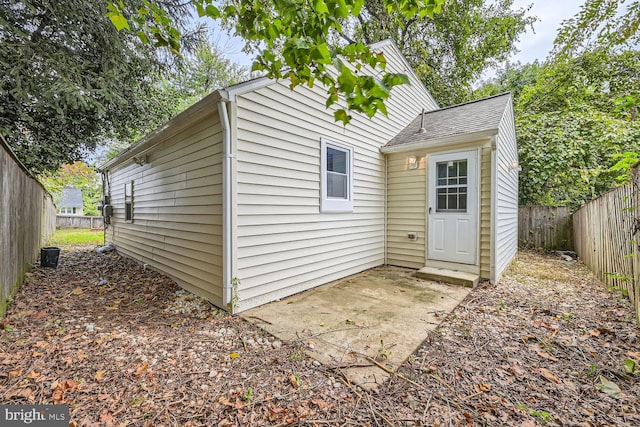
[{"x": 413, "y": 162}]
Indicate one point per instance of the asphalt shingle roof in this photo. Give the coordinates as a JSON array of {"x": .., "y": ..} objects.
[
  {"x": 476, "y": 116},
  {"x": 71, "y": 197}
]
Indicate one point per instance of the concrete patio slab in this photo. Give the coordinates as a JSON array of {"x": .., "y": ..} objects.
[{"x": 382, "y": 314}]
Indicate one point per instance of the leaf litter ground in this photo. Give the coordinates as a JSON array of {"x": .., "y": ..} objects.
[{"x": 548, "y": 345}]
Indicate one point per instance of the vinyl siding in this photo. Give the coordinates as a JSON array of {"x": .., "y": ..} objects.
[
  {"x": 284, "y": 243},
  {"x": 406, "y": 210},
  {"x": 177, "y": 208},
  {"x": 407, "y": 207},
  {"x": 506, "y": 199}
]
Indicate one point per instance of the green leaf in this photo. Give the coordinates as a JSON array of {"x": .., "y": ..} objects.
[
  {"x": 630, "y": 366},
  {"x": 321, "y": 54},
  {"x": 320, "y": 6},
  {"x": 143, "y": 37},
  {"x": 609, "y": 387},
  {"x": 200, "y": 9},
  {"x": 119, "y": 21},
  {"x": 342, "y": 116},
  {"x": 213, "y": 12}
]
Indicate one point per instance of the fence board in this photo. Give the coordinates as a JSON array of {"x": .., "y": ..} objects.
[
  {"x": 606, "y": 236},
  {"x": 77, "y": 221},
  {"x": 546, "y": 227},
  {"x": 27, "y": 221}
]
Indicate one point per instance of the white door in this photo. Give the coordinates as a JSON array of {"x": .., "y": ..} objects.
[{"x": 453, "y": 207}]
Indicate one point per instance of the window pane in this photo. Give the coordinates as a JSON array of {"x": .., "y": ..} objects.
[
  {"x": 462, "y": 168},
  {"x": 462, "y": 202},
  {"x": 442, "y": 203},
  {"x": 442, "y": 170},
  {"x": 336, "y": 185},
  {"x": 336, "y": 160},
  {"x": 452, "y": 202}
]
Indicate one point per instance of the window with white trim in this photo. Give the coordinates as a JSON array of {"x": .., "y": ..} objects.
[
  {"x": 128, "y": 201},
  {"x": 336, "y": 177}
]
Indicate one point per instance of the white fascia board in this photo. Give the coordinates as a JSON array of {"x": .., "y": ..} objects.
[
  {"x": 439, "y": 142},
  {"x": 230, "y": 93},
  {"x": 163, "y": 132}
]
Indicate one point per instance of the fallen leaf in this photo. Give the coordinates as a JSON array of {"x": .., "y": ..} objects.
[
  {"x": 33, "y": 374},
  {"x": 77, "y": 291},
  {"x": 234, "y": 355},
  {"x": 26, "y": 393},
  {"x": 483, "y": 387},
  {"x": 106, "y": 418},
  {"x": 518, "y": 370},
  {"x": 16, "y": 373},
  {"x": 609, "y": 387},
  {"x": 100, "y": 375},
  {"x": 548, "y": 374},
  {"x": 294, "y": 381},
  {"x": 546, "y": 355},
  {"x": 321, "y": 404},
  {"x": 61, "y": 390},
  {"x": 141, "y": 369}
]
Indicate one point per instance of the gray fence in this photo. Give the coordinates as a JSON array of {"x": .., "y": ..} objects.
[
  {"x": 607, "y": 238},
  {"x": 27, "y": 221},
  {"x": 545, "y": 227},
  {"x": 77, "y": 221}
]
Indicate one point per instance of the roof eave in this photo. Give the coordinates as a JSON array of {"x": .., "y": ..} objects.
[
  {"x": 160, "y": 134},
  {"x": 439, "y": 142}
]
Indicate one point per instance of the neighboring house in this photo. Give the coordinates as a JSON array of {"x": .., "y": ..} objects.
[
  {"x": 71, "y": 201},
  {"x": 256, "y": 193}
]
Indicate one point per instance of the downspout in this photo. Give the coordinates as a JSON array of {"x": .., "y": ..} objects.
[
  {"x": 386, "y": 204},
  {"x": 226, "y": 206}
]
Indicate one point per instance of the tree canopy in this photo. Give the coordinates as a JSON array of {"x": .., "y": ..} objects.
[
  {"x": 576, "y": 113},
  {"x": 450, "y": 44},
  {"x": 78, "y": 175},
  {"x": 452, "y": 50},
  {"x": 69, "y": 79},
  {"x": 293, "y": 40}
]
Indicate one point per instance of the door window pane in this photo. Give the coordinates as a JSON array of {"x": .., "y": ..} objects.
[{"x": 451, "y": 186}]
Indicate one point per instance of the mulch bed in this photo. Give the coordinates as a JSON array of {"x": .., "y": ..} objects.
[{"x": 548, "y": 345}]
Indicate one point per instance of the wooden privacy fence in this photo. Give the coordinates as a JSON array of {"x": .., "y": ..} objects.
[
  {"x": 27, "y": 221},
  {"x": 77, "y": 221},
  {"x": 546, "y": 227},
  {"x": 606, "y": 235}
]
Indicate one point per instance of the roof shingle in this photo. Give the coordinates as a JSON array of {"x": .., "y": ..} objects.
[{"x": 475, "y": 116}]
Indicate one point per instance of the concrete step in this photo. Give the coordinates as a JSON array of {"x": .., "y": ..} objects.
[{"x": 469, "y": 280}]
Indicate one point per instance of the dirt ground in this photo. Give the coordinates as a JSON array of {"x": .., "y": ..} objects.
[{"x": 122, "y": 346}]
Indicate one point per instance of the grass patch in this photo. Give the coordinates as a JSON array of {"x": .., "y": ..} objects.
[{"x": 76, "y": 237}]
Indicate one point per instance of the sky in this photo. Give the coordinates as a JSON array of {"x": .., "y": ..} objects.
[{"x": 537, "y": 44}]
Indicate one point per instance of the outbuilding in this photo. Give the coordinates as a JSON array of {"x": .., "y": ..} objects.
[{"x": 255, "y": 192}]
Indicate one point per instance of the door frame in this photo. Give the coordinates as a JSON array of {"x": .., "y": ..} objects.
[{"x": 475, "y": 266}]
